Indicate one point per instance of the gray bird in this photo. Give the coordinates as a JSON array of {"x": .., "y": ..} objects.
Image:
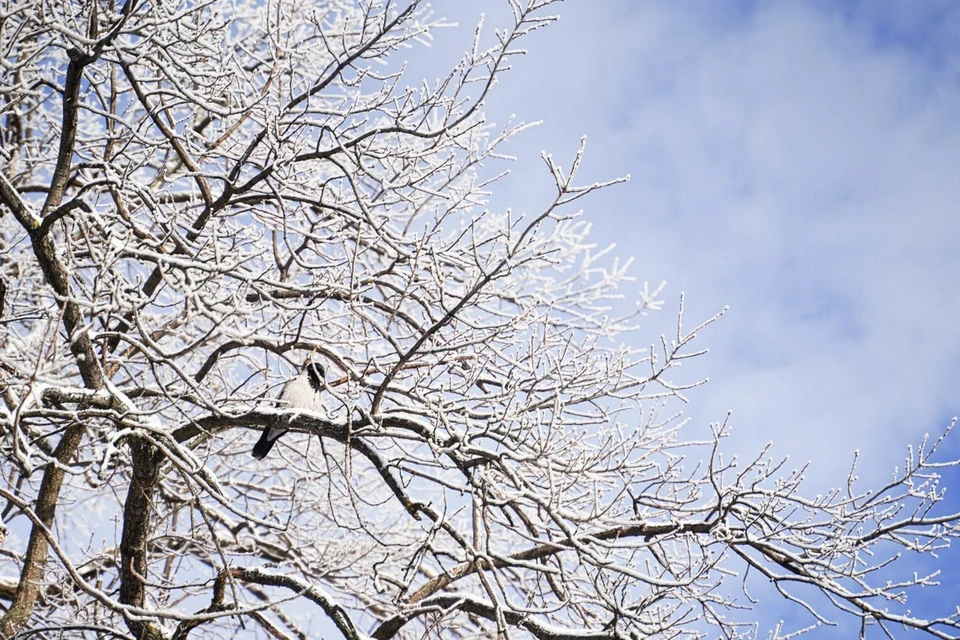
[{"x": 301, "y": 392}]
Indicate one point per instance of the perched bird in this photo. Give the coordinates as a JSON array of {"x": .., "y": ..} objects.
[{"x": 301, "y": 392}]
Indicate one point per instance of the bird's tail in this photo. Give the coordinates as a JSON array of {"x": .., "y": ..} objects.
[{"x": 264, "y": 444}]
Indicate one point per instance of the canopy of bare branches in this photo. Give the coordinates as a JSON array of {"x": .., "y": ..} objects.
[{"x": 196, "y": 196}]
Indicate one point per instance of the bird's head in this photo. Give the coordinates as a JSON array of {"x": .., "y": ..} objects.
[{"x": 315, "y": 373}]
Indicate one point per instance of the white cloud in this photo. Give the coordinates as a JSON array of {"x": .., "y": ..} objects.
[{"x": 796, "y": 162}]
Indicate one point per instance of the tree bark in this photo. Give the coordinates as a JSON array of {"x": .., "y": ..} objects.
[
  {"x": 136, "y": 533},
  {"x": 81, "y": 347},
  {"x": 28, "y": 588}
]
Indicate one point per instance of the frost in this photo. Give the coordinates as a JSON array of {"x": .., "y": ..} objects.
[{"x": 498, "y": 450}]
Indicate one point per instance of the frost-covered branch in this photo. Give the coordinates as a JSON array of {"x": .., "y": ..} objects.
[{"x": 198, "y": 197}]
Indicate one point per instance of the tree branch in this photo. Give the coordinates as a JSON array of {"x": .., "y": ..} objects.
[{"x": 334, "y": 611}]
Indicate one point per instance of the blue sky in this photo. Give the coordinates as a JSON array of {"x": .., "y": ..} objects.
[{"x": 797, "y": 161}]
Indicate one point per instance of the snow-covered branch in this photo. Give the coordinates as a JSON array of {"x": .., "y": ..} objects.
[{"x": 197, "y": 198}]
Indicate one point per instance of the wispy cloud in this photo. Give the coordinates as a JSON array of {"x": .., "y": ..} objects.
[{"x": 795, "y": 161}]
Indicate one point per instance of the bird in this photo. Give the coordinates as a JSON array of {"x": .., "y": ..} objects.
[{"x": 300, "y": 392}]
